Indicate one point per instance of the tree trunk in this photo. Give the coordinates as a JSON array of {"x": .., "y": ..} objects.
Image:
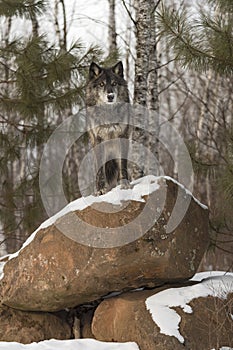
[
  {"x": 112, "y": 27},
  {"x": 143, "y": 22},
  {"x": 145, "y": 89},
  {"x": 153, "y": 101}
]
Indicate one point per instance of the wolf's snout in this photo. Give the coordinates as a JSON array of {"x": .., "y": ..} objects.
[{"x": 110, "y": 97}]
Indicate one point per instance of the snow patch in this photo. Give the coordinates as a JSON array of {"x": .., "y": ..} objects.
[
  {"x": 224, "y": 348},
  {"x": 75, "y": 344},
  {"x": 187, "y": 191},
  {"x": 2, "y": 263},
  {"x": 2, "y": 244},
  {"x": 206, "y": 274},
  {"x": 159, "y": 305}
]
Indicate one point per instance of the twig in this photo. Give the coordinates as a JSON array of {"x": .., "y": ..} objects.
[{"x": 130, "y": 16}]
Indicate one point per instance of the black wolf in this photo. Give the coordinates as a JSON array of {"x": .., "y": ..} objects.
[{"x": 107, "y": 99}]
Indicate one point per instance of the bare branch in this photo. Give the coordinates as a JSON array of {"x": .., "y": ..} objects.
[{"x": 129, "y": 13}]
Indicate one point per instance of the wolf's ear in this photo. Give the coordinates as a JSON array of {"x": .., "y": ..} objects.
[
  {"x": 118, "y": 69},
  {"x": 94, "y": 70}
]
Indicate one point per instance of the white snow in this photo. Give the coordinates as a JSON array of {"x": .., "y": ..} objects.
[
  {"x": 75, "y": 344},
  {"x": 141, "y": 187},
  {"x": 160, "y": 305},
  {"x": 2, "y": 243},
  {"x": 187, "y": 191},
  {"x": 224, "y": 348},
  {"x": 206, "y": 274},
  {"x": 1, "y": 269}
]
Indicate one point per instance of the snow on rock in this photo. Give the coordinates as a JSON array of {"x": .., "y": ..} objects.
[
  {"x": 206, "y": 274},
  {"x": 116, "y": 196},
  {"x": 186, "y": 190},
  {"x": 160, "y": 305},
  {"x": 140, "y": 188},
  {"x": 1, "y": 269},
  {"x": 79, "y": 344},
  {"x": 205, "y": 322},
  {"x": 224, "y": 348},
  {"x": 2, "y": 244}
]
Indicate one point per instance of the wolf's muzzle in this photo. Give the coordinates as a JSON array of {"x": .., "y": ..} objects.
[{"x": 110, "y": 97}]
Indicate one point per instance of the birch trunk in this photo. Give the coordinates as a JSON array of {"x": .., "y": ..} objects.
[
  {"x": 61, "y": 29},
  {"x": 112, "y": 36},
  {"x": 145, "y": 88},
  {"x": 153, "y": 101},
  {"x": 143, "y": 19}
]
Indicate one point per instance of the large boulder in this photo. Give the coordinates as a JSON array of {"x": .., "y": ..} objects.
[
  {"x": 27, "y": 327},
  {"x": 197, "y": 316},
  {"x": 126, "y": 239}
]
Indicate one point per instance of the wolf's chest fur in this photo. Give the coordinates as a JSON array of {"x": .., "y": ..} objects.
[{"x": 108, "y": 132}]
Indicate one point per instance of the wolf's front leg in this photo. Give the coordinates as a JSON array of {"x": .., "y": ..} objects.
[
  {"x": 101, "y": 184},
  {"x": 101, "y": 187},
  {"x": 123, "y": 178}
]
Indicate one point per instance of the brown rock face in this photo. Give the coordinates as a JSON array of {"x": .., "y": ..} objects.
[
  {"x": 125, "y": 318},
  {"x": 54, "y": 272},
  {"x": 28, "y": 327}
]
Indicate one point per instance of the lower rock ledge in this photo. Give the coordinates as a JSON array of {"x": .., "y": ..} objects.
[
  {"x": 27, "y": 327},
  {"x": 193, "y": 317}
]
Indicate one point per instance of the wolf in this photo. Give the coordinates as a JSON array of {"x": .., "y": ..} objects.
[{"x": 107, "y": 99}]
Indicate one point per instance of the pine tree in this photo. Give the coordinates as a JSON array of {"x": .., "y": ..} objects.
[
  {"x": 204, "y": 44},
  {"x": 38, "y": 83}
]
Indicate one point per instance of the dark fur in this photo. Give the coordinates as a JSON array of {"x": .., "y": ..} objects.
[{"x": 107, "y": 98}]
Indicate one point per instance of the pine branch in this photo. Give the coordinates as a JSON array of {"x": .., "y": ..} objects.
[
  {"x": 198, "y": 45},
  {"x": 22, "y": 8},
  {"x": 223, "y": 5}
]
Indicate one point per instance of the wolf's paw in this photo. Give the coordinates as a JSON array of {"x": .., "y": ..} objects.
[
  {"x": 100, "y": 192},
  {"x": 125, "y": 184}
]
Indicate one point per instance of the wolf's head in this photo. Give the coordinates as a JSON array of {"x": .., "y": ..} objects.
[{"x": 106, "y": 85}]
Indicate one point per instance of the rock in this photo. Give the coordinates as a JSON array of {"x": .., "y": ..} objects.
[
  {"x": 86, "y": 320},
  {"x": 28, "y": 327},
  {"x": 199, "y": 323},
  {"x": 130, "y": 246}
]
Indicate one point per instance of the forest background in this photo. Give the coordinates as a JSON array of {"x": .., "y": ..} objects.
[{"x": 178, "y": 59}]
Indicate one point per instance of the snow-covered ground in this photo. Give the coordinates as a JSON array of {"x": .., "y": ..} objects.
[
  {"x": 79, "y": 344},
  {"x": 214, "y": 283}
]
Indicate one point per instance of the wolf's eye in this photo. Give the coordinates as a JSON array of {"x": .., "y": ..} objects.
[
  {"x": 114, "y": 83},
  {"x": 101, "y": 84}
]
